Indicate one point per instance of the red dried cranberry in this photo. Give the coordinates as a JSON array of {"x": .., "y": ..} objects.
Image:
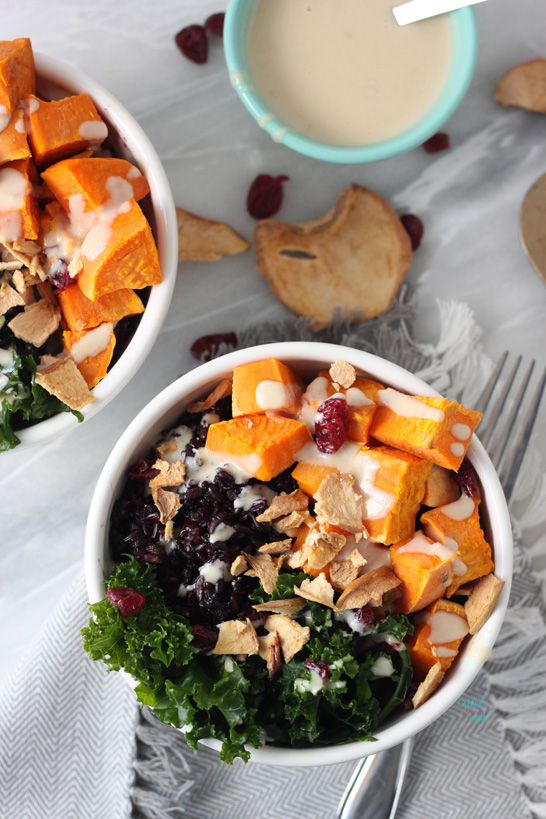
[
  {"x": 204, "y": 637},
  {"x": 319, "y": 667},
  {"x": 467, "y": 479},
  {"x": 60, "y": 277},
  {"x": 331, "y": 424},
  {"x": 265, "y": 195},
  {"x": 365, "y": 616},
  {"x": 215, "y": 24},
  {"x": 142, "y": 470},
  {"x": 414, "y": 229},
  {"x": 192, "y": 42},
  {"x": 438, "y": 142},
  {"x": 127, "y": 601},
  {"x": 205, "y": 347}
]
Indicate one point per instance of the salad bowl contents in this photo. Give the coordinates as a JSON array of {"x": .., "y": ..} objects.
[
  {"x": 79, "y": 258},
  {"x": 296, "y": 552}
]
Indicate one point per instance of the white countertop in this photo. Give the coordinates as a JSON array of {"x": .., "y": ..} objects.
[{"x": 468, "y": 198}]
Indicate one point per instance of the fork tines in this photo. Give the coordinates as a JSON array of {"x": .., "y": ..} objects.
[{"x": 505, "y": 433}]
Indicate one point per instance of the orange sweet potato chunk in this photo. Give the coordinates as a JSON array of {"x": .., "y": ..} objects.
[
  {"x": 437, "y": 622},
  {"x": 442, "y": 437},
  {"x": 310, "y": 476},
  {"x": 13, "y": 139},
  {"x": 20, "y": 219},
  {"x": 360, "y": 413},
  {"x": 441, "y": 487},
  {"x": 402, "y": 477},
  {"x": 93, "y": 367},
  {"x": 265, "y": 445},
  {"x": 17, "y": 76},
  {"x": 424, "y": 570},
  {"x": 89, "y": 177},
  {"x": 263, "y": 386},
  {"x": 467, "y": 535},
  {"x": 63, "y": 127},
  {"x": 119, "y": 255},
  {"x": 80, "y": 313}
]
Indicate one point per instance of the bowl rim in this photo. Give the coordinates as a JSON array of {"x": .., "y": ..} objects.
[
  {"x": 137, "y": 438},
  {"x": 63, "y": 75},
  {"x": 465, "y": 35}
]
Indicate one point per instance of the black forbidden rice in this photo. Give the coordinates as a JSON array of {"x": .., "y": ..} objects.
[{"x": 135, "y": 529}]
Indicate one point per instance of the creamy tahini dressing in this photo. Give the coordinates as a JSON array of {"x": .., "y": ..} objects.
[
  {"x": 409, "y": 407},
  {"x": 345, "y": 72},
  {"x": 446, "y": 626},
  {"x": 92, "y": 343},
  {"x": 274, "y": 395},
  {"x": 460, "y": 509}
]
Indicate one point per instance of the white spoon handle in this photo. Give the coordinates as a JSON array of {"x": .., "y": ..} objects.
[{"x": 421, "y": 9}]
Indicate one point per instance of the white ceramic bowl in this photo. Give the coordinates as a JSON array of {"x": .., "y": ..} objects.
[
  {"x": 54, "y": 80},
  {"x": 307, "y": 358}
]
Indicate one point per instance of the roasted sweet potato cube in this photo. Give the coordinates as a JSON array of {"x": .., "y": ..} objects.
[
  {"x": 262, "y": 445},
  {"x": 263, "y": 386},
  {"x": 458, "y": 525},
  {"x": 439, "y": 632},
  {"x": 310, "y": 476},
  {"x": 425, "y": 569},
  {"x": 80, "y": 313},
  {"x": 120, "y": 255},
  {"x": 92, "y": 351},
  {"x": 394, "y": 484},
  {"x": 61, "y": 128},
  {"x": 13, "y": 139},
  {"x": 432, "y": 428},
  {"x": 96, "y": 179},
  {"x": 17, "y": 75},
  {"x": 441, "y": 487},
  {"x": 19, "y": 215}
]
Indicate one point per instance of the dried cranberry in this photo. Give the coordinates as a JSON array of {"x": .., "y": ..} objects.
[
  {"x": 142, "y": 470},
  {"x": 215, "y": 24},
  {"x": 467, "y": 479},
  {"x": 204, "y": 636},
  {"x": 192, "y": 42},
  {"x": 386, "y": 648},
  {"x": 331, "y": 424},
  {"x": 365, "y": 616},
  {"x": 206, "y": 347},
  {"x": 265, "y": 195},
  {"x": 438, "y": 142},
  {"x": 414, "y": 229},
  {"x": 319, "y": 667},
  {"x": 127, "y": 601},
  {"x": 60, "y": 277}
]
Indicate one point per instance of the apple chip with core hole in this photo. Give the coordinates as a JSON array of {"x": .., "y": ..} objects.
[
  {"x": 524, "y": 86},
  {"x": 353, "y": 259}
]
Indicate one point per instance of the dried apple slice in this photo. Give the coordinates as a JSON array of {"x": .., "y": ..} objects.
[
  {"x": 353, "y": 259},
  {"x": 201, "y": 240},
  {"x": 524, "y": 85}
]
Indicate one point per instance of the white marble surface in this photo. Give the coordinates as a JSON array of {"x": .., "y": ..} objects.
[{"x": 468, "y": 198}]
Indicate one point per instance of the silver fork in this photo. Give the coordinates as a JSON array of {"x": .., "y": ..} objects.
[{"x": 375, "y": 787}]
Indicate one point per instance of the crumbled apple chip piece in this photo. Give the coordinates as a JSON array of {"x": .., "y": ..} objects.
[
  {"x": 342, "y": 572},
  {"x": 63, "y": 379},
  {"x": 284, "y": 504},
  {"x": 167, "y": 503},
  {"x": 342, "y": 374},
  {"x": 169, "y": 530},
  {"x": 23, "y": 279},
  {"x": 369, "y": 588},
  {"x": 482, "y": 601},
  {"x": 338, "y": 504},
  {"x": 265, "y": 569},
  {"x": 293, "y": 521},
  {"x": 236, "y": 637},
  {"x": 9, "y": 297},
  {"x": 169, "y": 474},
  {"x": 222, "y": 390},
  {"x": 429, "y": 685},
  {"x": 270, "y": 651},
  {"x": 202, "y": 240},
  {"x": 166, "y": 447},
  {"x": 317, "y": 590},
  {"x": 320, "y": 548},
  {"x": 36, "y": 323},
  {"x": 238, "y": 566},
  {"x": 292, "y": 636},
  {"x": 288, "y": 606},
  {"x": 276, "y": 547}
]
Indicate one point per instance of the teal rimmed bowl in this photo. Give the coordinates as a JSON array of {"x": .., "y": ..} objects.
[{"x": 465, "y": 47}]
